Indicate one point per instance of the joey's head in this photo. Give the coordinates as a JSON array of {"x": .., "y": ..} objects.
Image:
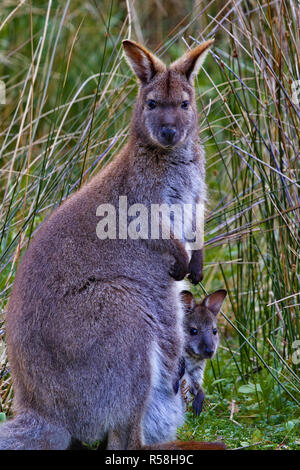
[
  {"x": 165, "y": 113},
  {"x": 201, "y": 324}
]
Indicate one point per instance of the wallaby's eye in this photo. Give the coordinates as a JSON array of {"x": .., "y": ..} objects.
[
  {"x": 151, "y": 104},
  {"x": 185, "y": 104},
  {"x": 193, "y": 331},
  {"x": 215, "y": 331}
]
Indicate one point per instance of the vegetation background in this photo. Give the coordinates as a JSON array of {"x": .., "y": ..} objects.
[{"x": 69, "y": 97}]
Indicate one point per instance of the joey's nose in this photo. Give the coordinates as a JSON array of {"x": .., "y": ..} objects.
[
  {"x": 168, "y": 134},
  {"x": 209, "y": 352}
]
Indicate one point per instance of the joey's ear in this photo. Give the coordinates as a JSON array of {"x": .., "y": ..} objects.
[
  {"x": 144, "y": 64},
  {"x": 187, "y": 299},
  {"x": 191, "y": 61},
  {"x": 214, "y": 301}
]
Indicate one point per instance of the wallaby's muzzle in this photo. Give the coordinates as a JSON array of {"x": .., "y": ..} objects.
[{"x": 168, "y": 135}]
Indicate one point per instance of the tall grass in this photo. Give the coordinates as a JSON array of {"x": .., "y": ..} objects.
[{"x": 69, "y": 97}]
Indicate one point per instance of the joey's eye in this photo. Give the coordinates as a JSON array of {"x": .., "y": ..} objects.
[
  {"x": 151, "y": 104},
  {"x": 193, "y": 331},
  {"x": 185, "y": 104},
  {"x": 215, "y": 331}
]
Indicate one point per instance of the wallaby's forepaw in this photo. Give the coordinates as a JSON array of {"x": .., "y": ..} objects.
[
  {"x": 198, "y": 403},
  {"x": 195, "y": 276},
  {"x": 178, "y": 271},
  {"x": 196, "y": 267}
]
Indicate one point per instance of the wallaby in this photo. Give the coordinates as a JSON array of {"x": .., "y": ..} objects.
[
  {"x": 201, "y": 343},
  {"x": 94, "y": 324}
]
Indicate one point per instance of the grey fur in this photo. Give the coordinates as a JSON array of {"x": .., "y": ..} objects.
[{"x": 85, "y": 315}]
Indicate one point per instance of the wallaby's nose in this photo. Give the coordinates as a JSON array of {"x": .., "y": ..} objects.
[{"x": 168, "y": 134}]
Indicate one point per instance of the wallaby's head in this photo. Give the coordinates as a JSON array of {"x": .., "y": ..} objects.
[
  {"x": 166, "y": 112},
  {"x": 201, "y": 323}
]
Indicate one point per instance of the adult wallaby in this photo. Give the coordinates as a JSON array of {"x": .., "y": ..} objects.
[
  {"x": 94, "y": 327},
  {"x": 201, "y": 343}
]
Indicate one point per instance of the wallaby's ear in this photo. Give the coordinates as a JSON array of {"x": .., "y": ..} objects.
[
  {"x": 188, "y": 300},
  {"x": 214, "y": 301},
  {"x": 191, "y": 61},
  {"x": 144, "y": 64}
]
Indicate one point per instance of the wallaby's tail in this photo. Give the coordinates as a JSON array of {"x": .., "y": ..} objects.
[
  {"x": 187, "y": 445},
  {"x": 29, "y": 431}
]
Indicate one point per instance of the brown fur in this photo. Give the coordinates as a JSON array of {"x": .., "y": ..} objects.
[
  {"x": 93, "y": 326},
  {"x": 188, "y": 445}
]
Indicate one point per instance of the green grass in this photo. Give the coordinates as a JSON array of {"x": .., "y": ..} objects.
[
  {"x": 252, "y": 415},
  {"x": 69, "y": 101}
]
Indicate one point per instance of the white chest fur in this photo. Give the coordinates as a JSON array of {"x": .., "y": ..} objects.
[{"x": 165, "y": 411}]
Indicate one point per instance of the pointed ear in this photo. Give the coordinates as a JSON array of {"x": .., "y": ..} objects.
[
  {"x": 214, "y": 301},
  {"x": 188, "y": 300},
  {"x": 189, "y": 64},
  {"x": 144, "y": 64}
]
